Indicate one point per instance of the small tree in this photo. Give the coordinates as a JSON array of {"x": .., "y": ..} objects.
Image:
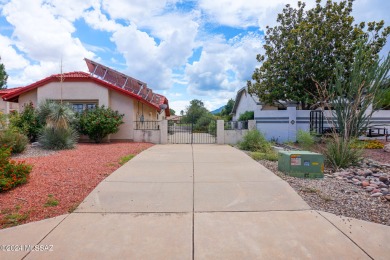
[
  {"x": 349, "y": 99},
  {"x": 99, "y": 122},
  {"x": 3, "y": 76},
  {"x": 227, "y": 110},
  {"x": 26, "y": 122}
]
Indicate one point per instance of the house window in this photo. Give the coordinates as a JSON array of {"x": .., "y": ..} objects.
[
  {"x": 90, "y": 106},
  {"x": 79, "y": 107}
]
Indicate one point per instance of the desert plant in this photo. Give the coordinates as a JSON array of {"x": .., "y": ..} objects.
[
  {"x": 13, "y": 139},
  {"x": 99, "y": 122},
  {"x": 58, "y": 133},
  {"x": 339, "y": 153},
  {"x": 305, "y": 139},
  {"x": 58, "y": 139},
  {"x": 254, "y": 141},
  {"x": 26, "y": 122},
  {"x": 12, "y": 173}
]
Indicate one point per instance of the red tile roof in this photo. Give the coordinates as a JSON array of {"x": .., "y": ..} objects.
[
  {"x": 78, "y": 76},
  {"x": 7, "y": 91}
]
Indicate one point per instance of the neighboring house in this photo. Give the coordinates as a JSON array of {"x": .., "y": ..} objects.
[
  {"x": 174, "y": 118},
  {"x": 84, "y": 91},
  {"x": 282, "y": 123},
  {"x": 244, "y": 102},
  {"x": 7, "y": 107}
]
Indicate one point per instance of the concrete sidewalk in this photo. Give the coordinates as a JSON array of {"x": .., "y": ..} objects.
[{"x": 197, "y": 202}]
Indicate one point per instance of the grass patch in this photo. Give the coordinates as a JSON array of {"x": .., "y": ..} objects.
[
  {"x": 126, "y": 158},
  {"x": 271, "y": 156},
  {"x": 14, "y": 219},
  {"x": 51, "y": 201}
]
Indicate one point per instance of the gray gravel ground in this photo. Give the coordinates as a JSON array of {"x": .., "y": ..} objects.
[
  {"x": 33, "y": 151},
  {"x": 337, "y": 196}
]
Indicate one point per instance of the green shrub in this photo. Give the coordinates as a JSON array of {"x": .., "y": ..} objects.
[
  {"x": 247, "y": 115},
  {"x": 99, "y": 122},
  {"x": 254, "y": 141},
  {"x": 58, "y": 139},
  {"x": 13, "y": 139},
  {"x": 339, "y": 153},
  {"x": 3, "y": 119},
  {"x": 213, "y": 128},
  {"x": 12, "y": 173},
  {"x": 270, "y": 156},
  {"x": 305, "y": 139},
  {"x": 26, "y": 122}
]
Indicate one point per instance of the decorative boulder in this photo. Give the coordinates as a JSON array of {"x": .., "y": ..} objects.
[{"x": 387, "y": 148}]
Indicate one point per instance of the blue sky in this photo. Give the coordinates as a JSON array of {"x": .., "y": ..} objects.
[{"x": 183, "y": 49}]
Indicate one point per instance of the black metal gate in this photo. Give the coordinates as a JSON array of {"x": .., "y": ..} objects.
[{"x": 201, "y": 131}]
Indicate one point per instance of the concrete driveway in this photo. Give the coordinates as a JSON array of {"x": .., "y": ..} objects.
[{"x": 196, "y": 202}]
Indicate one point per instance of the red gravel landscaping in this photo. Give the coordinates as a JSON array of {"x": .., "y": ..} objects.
[{"x": 66, "y": 177}]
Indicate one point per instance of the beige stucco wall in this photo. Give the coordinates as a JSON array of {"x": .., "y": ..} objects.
[
  {"x": 28, "y": 97},
  {"x": 74, "y": 91},
  {"x": 125, "y": 105},
  {"x": 150, "y": 113}
]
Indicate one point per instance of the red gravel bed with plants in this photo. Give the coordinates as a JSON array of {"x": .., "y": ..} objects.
[{"x": 60, "y": 181}]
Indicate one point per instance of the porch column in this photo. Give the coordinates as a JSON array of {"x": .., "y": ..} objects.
[
  {"x": 251, "y": 124},
  {"x": 164, "y": 131},
  {"x": 292, "y": 121},
  {"x": 220, "y": 132}
]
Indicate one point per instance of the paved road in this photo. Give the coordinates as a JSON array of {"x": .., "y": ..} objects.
[{"x": 197, "y": 202}]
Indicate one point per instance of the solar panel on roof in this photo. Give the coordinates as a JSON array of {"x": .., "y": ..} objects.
[{"x": 123, "y": 81}]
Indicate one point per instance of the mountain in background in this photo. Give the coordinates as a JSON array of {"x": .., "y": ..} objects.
[{"x": 218, "y": 110}]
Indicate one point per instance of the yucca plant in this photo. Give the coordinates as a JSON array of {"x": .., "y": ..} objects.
[{"x": 58, "y": 132}]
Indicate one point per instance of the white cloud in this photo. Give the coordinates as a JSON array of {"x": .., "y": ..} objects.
[
  {"x": 136, "y": 10},
  {"x": 242, "y": 13},
  {"x": 99, "y": 21},
  {"x": 9, "y": 56},
  {"x": 153, "y": 57},
  {"x": 224, "y": 66},
  {"x": 179, "y": 105},
  {"x": 45, "y": 37}
]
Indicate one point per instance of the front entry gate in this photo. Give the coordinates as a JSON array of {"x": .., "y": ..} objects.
[{"x": 201, "y": 131}]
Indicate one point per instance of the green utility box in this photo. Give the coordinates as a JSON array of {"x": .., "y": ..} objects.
[{"x": 301, "y": 164}]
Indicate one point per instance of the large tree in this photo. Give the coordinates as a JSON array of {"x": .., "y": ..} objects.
[
  {"x": 3, "y": 76},
  {"x": 227, "y": 110},
  {"x": 305, "y": 47},
  {"x": 195, "y": 111}
]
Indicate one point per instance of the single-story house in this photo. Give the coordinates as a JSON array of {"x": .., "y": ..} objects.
[
  {"x": 174, "y": 118},
  {"x": 281, "y": 122},
  {"x": 83, "y": 90}
]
